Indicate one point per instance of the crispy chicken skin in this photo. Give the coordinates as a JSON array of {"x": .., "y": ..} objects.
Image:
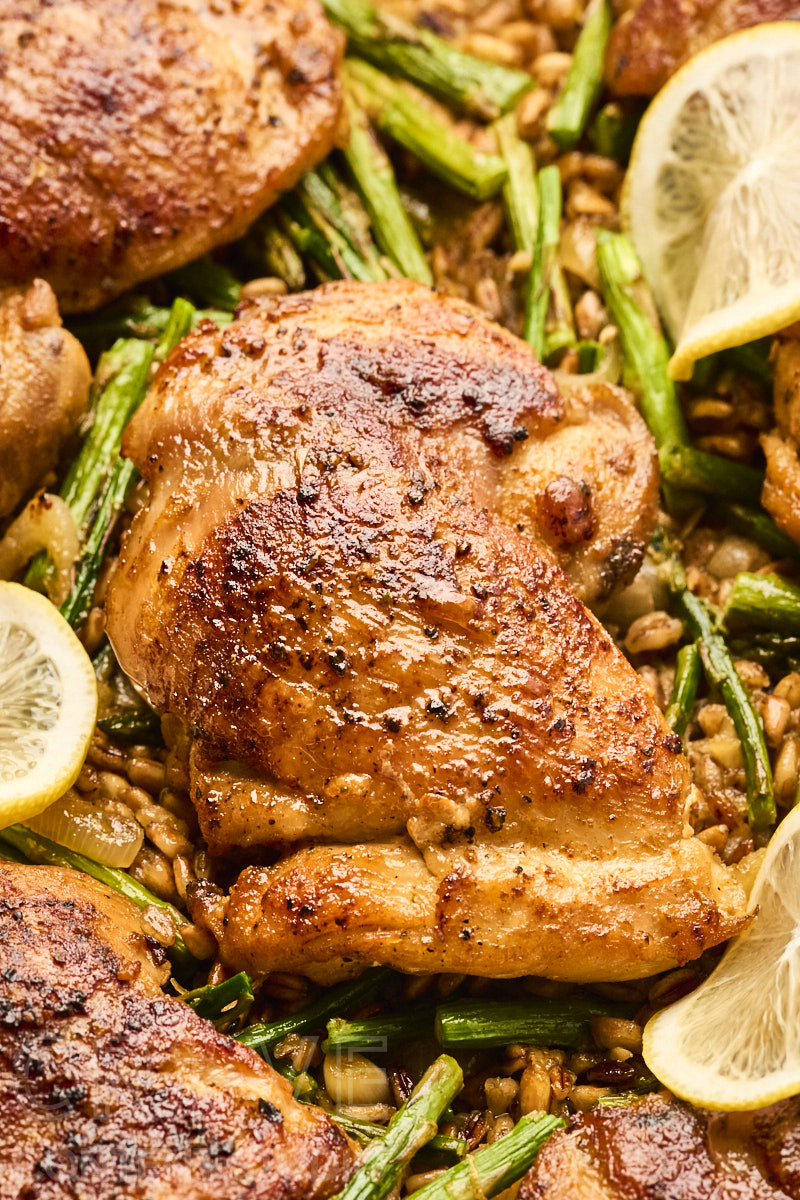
[
  {"x": 138, "y": 134},
  {"x": 44, "y": 389},
  {"x": 657, "y": 1149},
  {"x": 652, "y": 39},
  {"x": 110, "y": 1089},
  {"x": 781, "y": 492},
  {"x": 343, "y": 588}
]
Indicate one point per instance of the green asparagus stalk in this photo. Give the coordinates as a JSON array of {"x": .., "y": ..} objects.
[
  {"x": 521, "y": 188},
  {"x": 549, "y": 325},
  {"x": 223, "y": 1003},
  {"x": 120, "y": 382},
  {"x": 122, "y": 478},
  {"x": 646, "y": 350},
  {"x": 384, "y": 1162},
  {"x": 766, "y": 601},
  {"x": 569, "y": 114},
  {"x": 775, "y": 652},
  {"x": 208, "y": 283},
  {"x": 721, "y": 673},
  {"x": 279, "y": 254},
  {"x": 497, "y": 1167},
  {"x": 684, "y": 689},
  {"x": 330, "y": 254},
  {"x": 755, "y": 524},
  {"x": 393, "y": 109},
  {"x": 10, "y": 854},
  {"x": 375, "y": 179},
  {"x": 482, "y": 88},
  {"x": 614, "y": 129},
  {"x": 335, "y": 208},
  {"x": 365, "y": 1132},
  {"x": 538, "y": 1021},
  {"x": 694, "y": 470},
  {"x": 316, "y": 1015},
  {"x": 38, "y": 849},
  {"x": 142, "y": 727},
  {"x": 375, "y": 1033}
]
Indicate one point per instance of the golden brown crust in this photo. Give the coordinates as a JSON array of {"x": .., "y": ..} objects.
[
  {"x": 657, "y": 1148},
  {"x": 109, "y": 1088},
  {"x": 44, "y": 389},
  {"x": 138, "y": 135},
  {"x": 650, "y": 41},
  {"x": 327, "y": 588}
]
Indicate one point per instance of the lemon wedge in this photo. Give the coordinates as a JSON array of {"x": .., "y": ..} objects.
[
  {"x": 712, "y": 195},
  {"x": 734, "y": 1043},
  {"x": 48, "y": 704}
]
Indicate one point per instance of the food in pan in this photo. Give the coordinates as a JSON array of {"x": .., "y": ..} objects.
[{"x": 400, "y": 802}]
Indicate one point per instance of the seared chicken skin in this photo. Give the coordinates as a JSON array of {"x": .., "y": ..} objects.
[
  {"x": 343, "y": 584},
  {"x": 138, "y": 134},
  {"x": 655, "y": 37},
  {"x": 781, "y": 492},
  {"x": 110, "y": 1089},
  {"x": 44, "y": 389},
  {"x": 656, "y": 1149}
]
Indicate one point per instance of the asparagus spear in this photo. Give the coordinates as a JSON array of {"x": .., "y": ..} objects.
[
  {"x": 331, "y": 256},
  {"x": 336, "y": 210},
  {"x": 754, "y": 523},
  {"x": 548, "y": 315},
  {"x": 365, "y": 1132},
  {"x": 223, "y": 1003},
  {"x": 38, "y": 849},
  {"x": 479, "y": 87},
  {"x": 10, "y": 854},
  {"x": 775, "y": 652},
  {"x": 209, "y": 283},
  {"x": 684, "y": 689},
  {"x": 766, "y": 601},
  {"x": 142, "y": 727},
  {"x": 721, "y": 673},
  {"x": 392, "y": 108},
  {"x": 120, "y": 382},
  {"x": 122, "y": 478},
  {"x": 317, "y": 1014},
  {"x": 279, "y": 253},
  {"x": 614, "y": 129},
  {"x": 569, "y": 114},
  {"x": 486, "y": 1023},
  {"x": 375, "y": 1033},
  {"x": 494, "y": 1168},
  {"x": 375, "y": 179},
  {"x": 383, "y": 1163},
  {"x": 646, "y": 350},
  {"x": 521, "y": 189},
  {"x": 694, "y": 470}
]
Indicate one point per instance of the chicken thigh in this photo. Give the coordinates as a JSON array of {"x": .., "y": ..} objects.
[
  {"x": 109, "y": 1088},
  {"x": 44, "y": 389},
  {"x": 345, "y": 584},
  {"x": 139, "y": 134}
]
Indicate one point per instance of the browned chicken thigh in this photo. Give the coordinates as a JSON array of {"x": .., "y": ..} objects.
[
  {"x": 344, "y": 584},
  {"x": 655, "y": 37},
  {"x": 659, "y": 1149},
  {"x": 44, "y": 389},
  {"x": 110, "y": 1089},
  {"x": 138, "y": 134}
]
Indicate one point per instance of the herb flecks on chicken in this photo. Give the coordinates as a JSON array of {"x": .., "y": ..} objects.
[{"x": 346, "y": 585}]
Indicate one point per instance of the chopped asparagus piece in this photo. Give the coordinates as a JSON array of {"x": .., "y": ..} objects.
[
  {"x": 766, "y": 601},
  {"x": 684, "y": 689},
  {"x": 570, "y": 113}
]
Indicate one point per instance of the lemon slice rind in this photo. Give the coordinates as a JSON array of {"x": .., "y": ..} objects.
[
  {"x": 48, "y": 704},
  {"x": 712, "y": 195},
  {"x": 734, "y": 1043}
]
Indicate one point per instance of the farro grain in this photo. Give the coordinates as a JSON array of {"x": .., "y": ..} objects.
[
  {"x": 158, "y": 925},
  {"x": 495, "y": 49},
  {"x": 775, "y": 713},
  {"x": 590, "y": 315},
  {"x": 585, "y": 1097},
  {"x": 198, "y": 941},
  {"x": 268, "y": 286},
  {"x": 501, "y": 1092},
  {"x": 614, "y": 1031},
  {"x": 531, "y": 112},
  {"x": 788, "y": 688},
  {"x": 551, "y": 69},
  {"x": 787, "y": 769},
  {"x": 146, "y": 773},
  {"x": 653, "y": 632}
]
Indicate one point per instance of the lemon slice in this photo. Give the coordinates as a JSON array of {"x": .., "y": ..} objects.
[
  {"x": 712, "y": 195},
  {"x": 734, "y": 1043},
  {"x": 48, "y": 704}
]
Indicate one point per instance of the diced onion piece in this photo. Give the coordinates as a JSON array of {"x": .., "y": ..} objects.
[
  {"x": 609, "y": 371},
  {"x": 106, "y": 832},
  {"x": 578, "y": 251},
  {"x": 353, "y": 1079},
  {"x": 45, "y": 523}
]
